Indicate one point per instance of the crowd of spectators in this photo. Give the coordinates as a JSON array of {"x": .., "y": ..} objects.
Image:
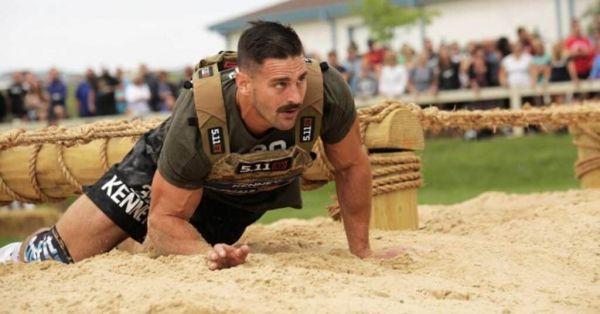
[
  {"x": 387, "y": 72},
  {"x": 32, "y": 98},
  {"x": 379, "y": 71}
]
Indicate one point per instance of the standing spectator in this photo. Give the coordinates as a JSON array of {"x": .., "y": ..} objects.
[
  {"x": 422, "y": 79},
  {"x": 448, "y": 75},
  {"x": 406, "y": 56},
  {"x": 188, "y": 72},
  {"x": 3, "y": 107},
  {"x": 366, "y": 85},
  {"x": 393, "y": 77},
  {"x": 493, "y": 57},
  {"x": 121, "y": 102},
  {"x": 562, "y": 69},
  {"x": 375, "y": 54},
  {"x": 85, "y": 95},
  {"x": 456, "y": 53},
  {"x": 166, "y": 92},
  {"x": 525, "y": 39},
  {"x": 138, "y": 95},
  {"x": 332, "y": 60},
  {"x": 595, "y": 72},
  {"x": 516, "y": 70},
  {"x": 58, "y": 96},
  {"x": 106, "y": 103},
  {"x": 353, "y": 67},
  {"x": 580, "y": 49},
  {"x": 37, "y": 100},
  {"x": 541, "y": 62},
  {"x": 503, "y": 46},
  {"x": 432, "y": 56},
  {"x": 152, "y": 83},
  {"x": 16, "y": 96},
  {"x": 448, "y": 71},
  {"x": 481, "y": 76}
]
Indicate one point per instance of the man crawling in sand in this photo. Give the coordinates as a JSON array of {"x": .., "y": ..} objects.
[{"x": 238, "y": 140}]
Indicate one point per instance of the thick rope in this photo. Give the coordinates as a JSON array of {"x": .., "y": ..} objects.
[
  {"x": 14, "y": 195},
  {"x": 104, "y": 154},
  {"x": 393, "y": 173},
  {"x": 64, "y": 169},
  {"x": 586, "y": 138},
  {"x": 79, "y": 135},
  {"x": 586, "y": 166},
  {"x": 33, "y": 176}
]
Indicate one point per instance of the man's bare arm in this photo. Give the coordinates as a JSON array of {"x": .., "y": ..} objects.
[
  {"x": 353, "y": 185},
  {"x": 169, "y": 230}
]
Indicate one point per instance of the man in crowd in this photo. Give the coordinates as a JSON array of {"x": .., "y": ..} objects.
[
  {"x": 193, "y": 184},
  {"x": 57, "y": 90},
  {"x": 16, "y": 96}
]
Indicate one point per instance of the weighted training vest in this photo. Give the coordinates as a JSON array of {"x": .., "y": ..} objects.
[{"x": 253, "y": 172}]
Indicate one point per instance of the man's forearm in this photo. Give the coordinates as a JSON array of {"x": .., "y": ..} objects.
[
  {"x": 353, "y": 187},
  {"x": 173, "y": 235}
]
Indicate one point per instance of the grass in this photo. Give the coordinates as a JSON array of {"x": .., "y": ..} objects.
[
  {"x": 456, "y": 170},
  {"x": 6, "y": 240}
]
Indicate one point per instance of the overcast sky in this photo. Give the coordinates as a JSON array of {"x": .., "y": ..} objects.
[{"x": 76, "y": 34}]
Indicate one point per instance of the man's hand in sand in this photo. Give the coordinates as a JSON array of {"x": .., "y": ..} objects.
[{"x": 225, "y": 256}]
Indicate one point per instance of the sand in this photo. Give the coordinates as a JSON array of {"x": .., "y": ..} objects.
[{"x": 497, "y": 253}]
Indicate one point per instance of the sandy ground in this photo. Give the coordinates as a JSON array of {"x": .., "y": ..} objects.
[{"x": 497, "y": 253}]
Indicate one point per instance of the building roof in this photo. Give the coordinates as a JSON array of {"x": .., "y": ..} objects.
[{"x": 296, "y": 11}]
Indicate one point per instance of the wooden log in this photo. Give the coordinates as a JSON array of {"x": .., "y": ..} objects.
[
  {"x": 395, "y": 210},
  {"x": 83, "y": 162},
  {"x": 400, "y": 129}
]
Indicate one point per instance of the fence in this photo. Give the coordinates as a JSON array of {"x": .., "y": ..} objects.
[{"x": 514, "y": 95}]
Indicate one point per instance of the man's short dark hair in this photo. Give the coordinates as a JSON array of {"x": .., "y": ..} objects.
[{"x": 265, "y": 40}]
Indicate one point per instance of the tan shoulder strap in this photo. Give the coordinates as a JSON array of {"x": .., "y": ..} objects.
[
  {"x": 210, "y": 111},
  {"x": 308, "y": 125}
]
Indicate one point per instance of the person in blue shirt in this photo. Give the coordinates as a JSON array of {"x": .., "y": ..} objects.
[
  {"x": 58, "y": 96},
  {"x": 86, "y": 95}
]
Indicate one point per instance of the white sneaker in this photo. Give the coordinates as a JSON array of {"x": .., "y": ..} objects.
[{"x": 10, "y": 252}]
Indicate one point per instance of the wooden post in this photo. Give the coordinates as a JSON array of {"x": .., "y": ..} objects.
[
  {"x": 587, "y": 167},
  {"x": 396, "y": 210},
  {"x": 399, "y": 135},
  {"x": 516, "y": 104}
]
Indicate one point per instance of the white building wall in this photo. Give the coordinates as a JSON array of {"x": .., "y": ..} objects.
[{"x": 458, "y": 20}]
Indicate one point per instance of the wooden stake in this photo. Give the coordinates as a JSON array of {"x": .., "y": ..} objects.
[{"x": 396, "y": 210}]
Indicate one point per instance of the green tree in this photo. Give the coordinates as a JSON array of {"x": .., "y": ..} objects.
[
  {"x": 382, "y": 17},
  {"x": 590, "y": 13}
]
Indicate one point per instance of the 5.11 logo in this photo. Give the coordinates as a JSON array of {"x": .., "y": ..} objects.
[{"x": 215, "y": 140}]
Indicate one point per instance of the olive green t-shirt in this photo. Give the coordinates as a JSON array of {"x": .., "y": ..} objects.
[{"x": 182, "y": 161}]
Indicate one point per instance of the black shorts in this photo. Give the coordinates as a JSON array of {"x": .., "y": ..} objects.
[{"x": 123, "y": 194}]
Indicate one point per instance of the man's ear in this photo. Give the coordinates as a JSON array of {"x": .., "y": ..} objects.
[{"x": 243, "y": 81}]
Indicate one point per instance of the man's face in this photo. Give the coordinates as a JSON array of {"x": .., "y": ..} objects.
[{"x": 277, "y": 88}]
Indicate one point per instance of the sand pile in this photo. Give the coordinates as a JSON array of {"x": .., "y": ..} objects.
[{"x": 497, "y": 253}]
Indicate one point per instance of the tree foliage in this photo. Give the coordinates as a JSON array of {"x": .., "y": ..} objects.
[
  {"x": 382, "y": 17},
  {"x": 590, "y": 13}
]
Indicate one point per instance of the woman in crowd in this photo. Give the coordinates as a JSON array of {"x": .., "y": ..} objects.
[
  {"x": 37, "y": 100},
  {"x": 393, "y": 77},
  {"x": 517, "y": 70},
  {"x": 422, "y": 79},
  {"x": 137, "y": 95}
]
